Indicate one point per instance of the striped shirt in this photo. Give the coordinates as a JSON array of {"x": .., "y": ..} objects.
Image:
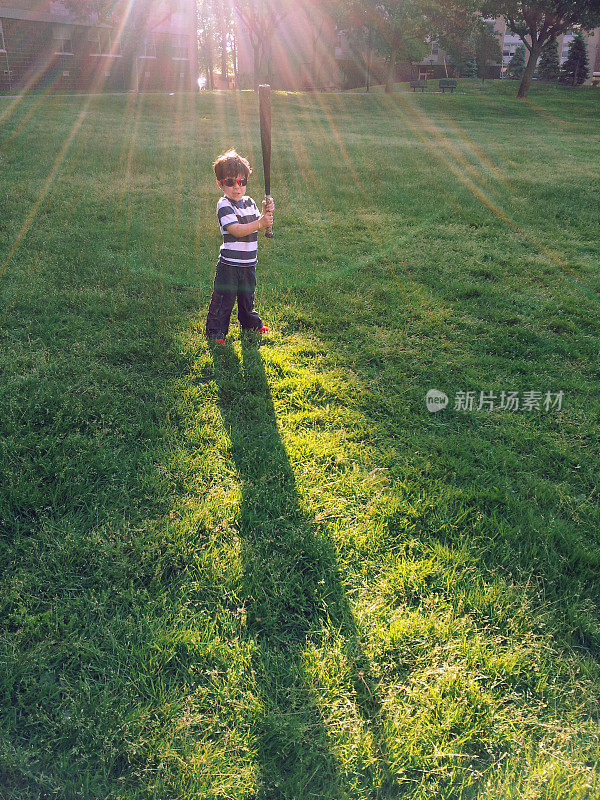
[{"x": 238, "y": 252}]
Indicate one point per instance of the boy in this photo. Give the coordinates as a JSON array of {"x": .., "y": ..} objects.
[{"x": 240, "y": 221}]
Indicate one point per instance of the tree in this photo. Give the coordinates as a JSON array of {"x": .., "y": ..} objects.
[
  {"x": 357, "y": 20},
  {"x": 516, "y": 66},
  {"x": 487, "y": 47},
  {"x": 207, "y": 35},
  {"x": 469, "y": 68},
  {"x": 261, "y": 18},
  {"x": 400, "y": 30},
  {"x": 575, "y": 70},
  {"x": 472, "y": 45},
  {"x": 83, "y": 9},
  {"x": 457, "y": 27},
  {"x": 538, "y": 22},
  {"x": 222, "y": 33},
  {"x": 549, "y": 64}
]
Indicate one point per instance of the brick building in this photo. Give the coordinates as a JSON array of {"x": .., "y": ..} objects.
[{"x": 43, "y": 45}]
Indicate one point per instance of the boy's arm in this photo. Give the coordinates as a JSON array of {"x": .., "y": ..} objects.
[{"x": 240, "y": 229}]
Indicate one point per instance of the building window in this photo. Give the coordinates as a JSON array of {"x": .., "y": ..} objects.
[
  {"x": 149, "y": 48},
  {"x": 179, "y": 46},
  {"x": 62, "y": 40},
  {"x": 101, "y": 42}
]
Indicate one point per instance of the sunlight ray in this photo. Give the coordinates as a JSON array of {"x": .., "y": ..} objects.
[
  {"x": 428, "y": 125},
  {"x": 32, "y": 81},
  {"x": 179, "y": 135},
  {"x": 384, "y": 255},
  {"x": 45, "y": 189},
  {"x": 33, "y": 108},
  {"x": 477, "y": 151},
  {"x": 426, "y": 131},
  {"x": 449, "y": 159},
  {"x": 134, "y": 113}
]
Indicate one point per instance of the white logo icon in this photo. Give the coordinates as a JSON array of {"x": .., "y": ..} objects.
[{"x": 435, "y": 400}]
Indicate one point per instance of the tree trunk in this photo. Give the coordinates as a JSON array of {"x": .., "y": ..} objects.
[
  {"x": 369, "y": 56},
  {"x": 224, "y": 50},
  {"x": 391, "y": 74},
  {"x": 236, "y": 75},
  {"x": 256, "y": 54},
  {"x": 534, "y": 54}
]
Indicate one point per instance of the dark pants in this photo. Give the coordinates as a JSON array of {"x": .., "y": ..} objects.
[{"x": 232, "y": 283}]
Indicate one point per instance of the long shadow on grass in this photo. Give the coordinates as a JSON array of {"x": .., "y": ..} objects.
[{"x": 293, "y": 595}]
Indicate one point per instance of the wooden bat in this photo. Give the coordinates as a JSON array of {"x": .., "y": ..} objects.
[{"x": 264, "y": 107}]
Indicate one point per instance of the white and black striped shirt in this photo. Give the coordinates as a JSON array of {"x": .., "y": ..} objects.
[{"x": 238, "y": 252}]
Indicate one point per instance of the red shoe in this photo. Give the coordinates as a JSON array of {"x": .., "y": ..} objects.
[
  {"x": 220, "y": 341},
  {"x": 264, "y": 329}
]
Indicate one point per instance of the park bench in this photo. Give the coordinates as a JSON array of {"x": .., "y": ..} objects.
[
  {"x": 422, "y": 85},
  {"x": 448, "y": 83}
]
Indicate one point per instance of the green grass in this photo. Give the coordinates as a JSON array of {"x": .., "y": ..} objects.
[{"x": 266, "y": 571}]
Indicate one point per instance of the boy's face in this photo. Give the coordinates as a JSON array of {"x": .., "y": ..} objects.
[{"x": 235, "y": 192}]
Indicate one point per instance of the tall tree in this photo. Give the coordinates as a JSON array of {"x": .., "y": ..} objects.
[
  {"x": 221, "y": 12},
  {"x": 575, "y": 70},
  {"x": 356, "y": 18},
  {"x": 455, "y": 25},
  {"x": 537, "y": 22},
  {"x": 487, "y": 47},
  {"x": 208, "y": 31},
  {"x": 399, "y": 30},
  {"x": 516, "y": 66},
  {"x": 82, "y": 9},
  {"x": 549, "y": 65},
  {"x": 260, "y": 19}
]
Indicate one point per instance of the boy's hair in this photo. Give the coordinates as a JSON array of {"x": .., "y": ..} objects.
[{"x": 230, "y": 165}]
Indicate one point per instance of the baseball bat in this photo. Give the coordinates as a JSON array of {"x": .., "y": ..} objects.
[{"x": 264, "y": 107}]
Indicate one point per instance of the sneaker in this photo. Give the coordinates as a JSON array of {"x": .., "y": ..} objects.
[
  {"x": 264, "y": 329},
  {"x": 220, "y": 341}
]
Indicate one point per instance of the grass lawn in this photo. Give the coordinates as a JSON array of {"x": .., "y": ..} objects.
[{"x": 267, "y": 571}]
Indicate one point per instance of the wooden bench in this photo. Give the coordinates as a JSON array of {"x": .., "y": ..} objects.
[
  {"x": 422, "y": 85},
  {"x": 448, "y": 83}
]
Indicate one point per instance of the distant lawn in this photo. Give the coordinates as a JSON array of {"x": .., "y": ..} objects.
[{"x": 267, "y": 571}]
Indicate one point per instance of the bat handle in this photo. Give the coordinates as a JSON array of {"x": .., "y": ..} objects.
[{"x": 269, "y": 230}]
